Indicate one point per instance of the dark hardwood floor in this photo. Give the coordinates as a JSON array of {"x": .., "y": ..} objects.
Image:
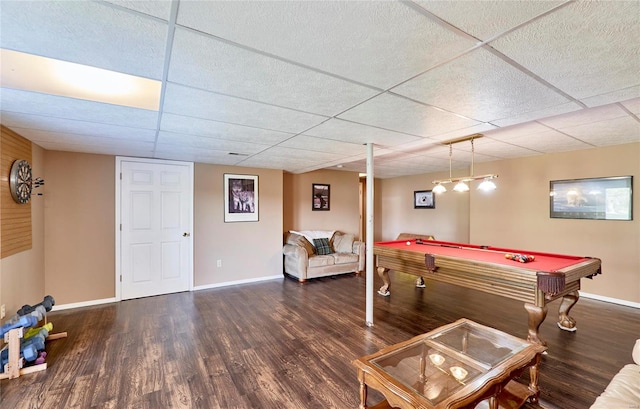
[{"x": 281, "y": 344}]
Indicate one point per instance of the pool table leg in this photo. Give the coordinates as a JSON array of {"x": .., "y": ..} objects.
[
  {"x": 536, "y": 316},
  {"x": 565, "y": 322},
  {"x": 384, "y": 274}
]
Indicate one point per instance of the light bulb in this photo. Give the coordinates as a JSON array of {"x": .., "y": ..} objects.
[
  {"x": 461, "y": 187},
  {"x": 487, "y": 185},
  {"x": 439, "y": 188}
]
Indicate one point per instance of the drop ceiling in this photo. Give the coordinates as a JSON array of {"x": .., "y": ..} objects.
[{"x": 304, "y": 85}]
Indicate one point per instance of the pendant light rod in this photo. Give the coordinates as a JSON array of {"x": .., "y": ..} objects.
[{"x": 470, "y": 178}]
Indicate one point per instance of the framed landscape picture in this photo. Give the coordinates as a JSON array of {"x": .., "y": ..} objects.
[
  {"x": 608, "y": 198},
  {"x": 240, "y": 198},
  {"x": 424, "y": 199}
]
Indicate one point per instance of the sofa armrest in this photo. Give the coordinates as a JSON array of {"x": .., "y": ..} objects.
[
  {"x": 296, "y": 261},
  {"x": 359, "y": 249}
]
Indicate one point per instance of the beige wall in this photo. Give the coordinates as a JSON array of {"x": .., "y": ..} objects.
[
  {"x": 449, "y": 221},
  {"x": 517, "y": 215},
  {"x": 22, "y": 274},
  {"x": 73, "y": 255},
  {"x": 79, "y": 226},
  {"x": 248, "y": 250},
  {"x": 344, "y": 213}
]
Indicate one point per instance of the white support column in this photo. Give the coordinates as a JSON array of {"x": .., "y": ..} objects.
[{"x": 369, "y": 239}]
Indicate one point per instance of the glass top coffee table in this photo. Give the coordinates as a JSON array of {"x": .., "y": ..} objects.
[{"x": 455, "y": 366}]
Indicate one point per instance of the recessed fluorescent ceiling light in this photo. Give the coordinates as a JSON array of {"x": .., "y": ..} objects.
[{"x": 45, "y": 75}]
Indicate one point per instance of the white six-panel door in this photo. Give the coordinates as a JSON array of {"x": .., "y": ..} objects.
[{"x": 156, "y": 223}]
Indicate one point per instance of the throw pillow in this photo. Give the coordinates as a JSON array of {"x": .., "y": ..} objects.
[
  {"x": 322, "y": 246},
  {"x": 343, "y": 242}
]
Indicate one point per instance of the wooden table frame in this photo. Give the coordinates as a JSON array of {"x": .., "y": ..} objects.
[{"x": 496, "y": 386}]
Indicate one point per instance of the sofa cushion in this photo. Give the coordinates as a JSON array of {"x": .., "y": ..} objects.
[
  {"x": 343, "y": 258},
  {"x": 298, "y": 240},
  {"x": 635, "y": 354},
  {"x": 322, "y": 246},
  {"x": 623, "y": 391},
  {"x": 321, "y": 261},
  {"x": 342, "y": 242}
]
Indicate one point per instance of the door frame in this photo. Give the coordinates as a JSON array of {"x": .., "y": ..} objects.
[{"x": 118, "y": 173}]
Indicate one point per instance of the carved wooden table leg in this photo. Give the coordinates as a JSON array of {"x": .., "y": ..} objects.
[
  {"x": 363, "y": 391},
  {"x": 565, "y": 322},
  {"x": 536, "y": 316},
  {"x": 384, "y": 274},
  {"x": 533, "y": 383}
]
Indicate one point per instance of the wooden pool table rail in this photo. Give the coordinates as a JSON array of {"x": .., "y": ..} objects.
[{"x": 512, "y": 281}]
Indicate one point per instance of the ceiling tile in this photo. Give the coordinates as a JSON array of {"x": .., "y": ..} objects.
[
  {"x": 156, "y": 8},
  {"x": 544, "y": 140},
  {"x": 632, "y": 105},
  {"x": 608, "y": 132},
  {"x": 207, "y": 105},
  {"x": 75, "y": 127},
  {"x": 204, "y": 62},
  {"x": 221, "y": 130},
  {"x": 356, "y": 40},
  {"x": 488, "y": 149},
  {"x": 538, "y": 114},
  {"x": 443, "y": 138},
  {"x": 323, "y": 145},
  {"x": 613, "y": 96},
  {"x": 345, "y": 131},
  {"x": 224, "y": 145},
  {"x": 595, "y": 47},
  {"x": 480, "y": 86},
  {"x": 400, "y": 114},
  {"x": 584, "y": 116},
  {"x": 63, "y": 140},
  {"x": 62, "y": 107},
  {"x": 302, "y": 154},
  {"x": 88, "y": 33},
  {"x": 486, "y": 19}
]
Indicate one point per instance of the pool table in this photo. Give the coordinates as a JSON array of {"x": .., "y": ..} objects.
[{"x": 544, "y": 279}]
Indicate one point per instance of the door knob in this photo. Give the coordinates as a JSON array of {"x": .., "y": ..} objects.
[{"x": 185, "y": 234}]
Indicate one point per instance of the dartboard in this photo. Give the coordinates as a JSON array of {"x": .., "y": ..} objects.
[{"x": 20, "y": 181}]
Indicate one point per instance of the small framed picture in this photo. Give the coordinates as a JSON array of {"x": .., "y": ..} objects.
[
  {"x": 424, "y": 199},
  {"x": 240, "y": 198},
  {"x": 321, "y": 197}
]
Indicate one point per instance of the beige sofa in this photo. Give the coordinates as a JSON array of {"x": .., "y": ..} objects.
[
  {"x": 302, "y": 261},
  {"x": 624, "y": 389}
]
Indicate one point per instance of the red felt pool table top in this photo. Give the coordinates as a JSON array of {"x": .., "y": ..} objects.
[{"x": 543, "y": 261}]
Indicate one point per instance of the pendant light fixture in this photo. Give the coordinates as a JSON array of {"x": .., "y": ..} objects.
[{"x": 462, "y": 185}]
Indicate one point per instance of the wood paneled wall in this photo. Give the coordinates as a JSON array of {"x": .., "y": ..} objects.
[{"x": 15, "y": 228}]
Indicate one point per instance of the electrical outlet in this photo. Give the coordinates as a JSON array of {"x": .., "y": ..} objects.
[
  {"x": 3, "y": 312},
  {"x": 219, "y": 263}
]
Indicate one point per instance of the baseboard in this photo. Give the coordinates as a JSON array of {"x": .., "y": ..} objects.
[
  {"x": 200, "y": 287},
  {"x": 610, "y": 300},
  {"x": 230, "y": 283},
  {"x": 279, "y": 276},
  {"x": 83, "y": 304}
]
